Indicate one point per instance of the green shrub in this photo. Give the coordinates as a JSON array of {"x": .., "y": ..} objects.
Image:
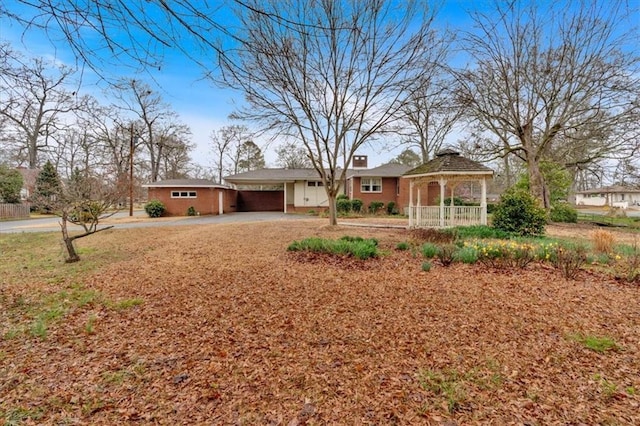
[
  {"x": 359, "y": 239},
  {"x": 429, "y": 250},
  {"x": 391, "y": 208},
  {"x": 402, "y": 246},
  {"x": 191, "y": 211},
  {"x": 562, "y": 212},
  {"x": 375, "y": 206},
  {"x": 480, "y": 232},
  {"x": 343, "y": 205},
  {"x": 426, "y": 266},
  {"x": 342, "y": 197},
  {"x": 491, "y": 207},
  {"x": 357, "y": 247},
  {"x": 356, "y": 205},
  {"x": 467, "y": 255},
  {"x": 519, "y": 213},
  {"x": 154, "y": 208}
]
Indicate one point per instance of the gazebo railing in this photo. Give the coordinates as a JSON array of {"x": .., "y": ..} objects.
[{"x": 430, "y": 216}]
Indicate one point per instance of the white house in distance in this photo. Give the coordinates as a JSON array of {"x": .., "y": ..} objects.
[{"x": 613, "y": 196}]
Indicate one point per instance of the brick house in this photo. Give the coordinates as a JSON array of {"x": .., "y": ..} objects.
[
  {"x": 206, "y": 197},
  {"x": 381, "y": 183}
]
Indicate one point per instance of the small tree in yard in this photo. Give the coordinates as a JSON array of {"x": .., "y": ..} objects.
[
  {"x": 519, "y": 213},
  {"x": 10, "y": 185},
  {"x": 84, "y": 201},
  {"x": 48, "y": 188}
]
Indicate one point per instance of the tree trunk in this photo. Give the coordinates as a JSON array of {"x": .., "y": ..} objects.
[
  {"x": 333, "y": 212},
  {"x": 537, "y": 185},
  {"x": 72, "y": 256}
]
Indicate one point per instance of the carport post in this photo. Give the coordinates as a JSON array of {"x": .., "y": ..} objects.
[{"x": 285, "y": 197}]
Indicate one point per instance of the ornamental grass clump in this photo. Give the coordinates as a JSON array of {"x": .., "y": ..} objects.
[
  {"x": 357, "y": 247},
  {"x": 603, "y": 241},
  {"x": 429, "y": 250}
]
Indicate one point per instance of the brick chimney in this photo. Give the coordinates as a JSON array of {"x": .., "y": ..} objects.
[{"x": 359, "y": 162}]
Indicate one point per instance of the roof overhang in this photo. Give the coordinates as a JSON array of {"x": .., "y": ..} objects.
[
  {"x": 450, "y": 174},
  {"x": 262, "y": 181},
  {"x": 155, "y": 185}
]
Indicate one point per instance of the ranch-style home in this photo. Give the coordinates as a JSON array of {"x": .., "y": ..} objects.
[
  {"x": 420, "y": 192},
  {"x": 300, "y": 190},
  {"x": 613, "y": 196}
]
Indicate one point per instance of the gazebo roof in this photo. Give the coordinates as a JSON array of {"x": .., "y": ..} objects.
[{"x": 449, "y": 162}]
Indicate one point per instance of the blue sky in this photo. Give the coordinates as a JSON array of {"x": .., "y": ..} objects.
[{"x": 199, "y": 103}]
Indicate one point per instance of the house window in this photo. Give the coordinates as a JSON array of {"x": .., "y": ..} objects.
[
  {"x": 371, "y": 185},
  {"x": 314, "y": 183},
  {"x": 184, "y": 194}
]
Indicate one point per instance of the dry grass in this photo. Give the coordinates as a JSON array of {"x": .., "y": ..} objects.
[
  {"x": 232, "y": 329},
  {"x": 603, "y": 241}
]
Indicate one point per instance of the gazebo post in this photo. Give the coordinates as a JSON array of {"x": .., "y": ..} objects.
[
  {"x": 419, "y": 209},
  {"x": 452, "y": 210},
  {"x": 442, "y": 195},
  {"x": 483, "y": 202},
  {"x": 411, "y": 222}
]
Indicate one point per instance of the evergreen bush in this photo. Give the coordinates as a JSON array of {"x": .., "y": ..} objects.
[
  {"x": 356, "y": 205},
  {"x": 518, "y": 213},
  {"x": 375, "y": 206},
  {"x": 154, "y": 208},
  {"x": 562, "y": 212}
]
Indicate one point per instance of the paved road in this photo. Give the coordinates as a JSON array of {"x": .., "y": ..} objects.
[{"x": 122, "y": 221}]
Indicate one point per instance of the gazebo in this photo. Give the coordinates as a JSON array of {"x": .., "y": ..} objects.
[{"x": 449, "y": 169}]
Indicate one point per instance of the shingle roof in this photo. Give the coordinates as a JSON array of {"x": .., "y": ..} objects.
[
  {"x": 386, "y": 170},
  {"x": 192, "y": 183},
  {"x": 274, "y": 175},
  {"x": 449, "y": 162},
  {"x": 611, "y": 189}
]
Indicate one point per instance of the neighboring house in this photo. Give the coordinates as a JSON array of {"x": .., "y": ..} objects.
[
  {"x": 29, "y": 177},
  {"x": 613, "y": 196},
  {"x": 205, "y": 196}
]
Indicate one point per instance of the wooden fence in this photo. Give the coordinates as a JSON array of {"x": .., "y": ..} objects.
[{"x": 14, "y": 211}]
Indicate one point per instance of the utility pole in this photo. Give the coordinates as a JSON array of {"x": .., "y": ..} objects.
[{"x": 131, "y": 148}]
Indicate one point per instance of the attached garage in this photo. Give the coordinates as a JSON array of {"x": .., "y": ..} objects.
[{"x": 301, "y": 190}]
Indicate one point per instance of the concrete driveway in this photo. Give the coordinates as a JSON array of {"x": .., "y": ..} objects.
[{"x": 122, "y": 220}]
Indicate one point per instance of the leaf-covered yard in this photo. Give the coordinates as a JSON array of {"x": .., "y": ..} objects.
[{"x": 221, "y": 325}]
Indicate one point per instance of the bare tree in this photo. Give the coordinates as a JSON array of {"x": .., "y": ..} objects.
[
  {"x": 34, "y": 99},
  {"x": 551, "y": 75},
  {"x": 431, "y": 114},
  {"x": 83, "y": 201},
  {"x": 331, "y": 76},
  {"x": 157, "y": 124},
  {"x": 291, "y": 155},
  {"x": 225, "y": 144}
]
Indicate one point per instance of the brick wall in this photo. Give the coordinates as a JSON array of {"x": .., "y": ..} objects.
[
  {"x": 389, "y": 192},
  {"x": 205, "y": 203}
]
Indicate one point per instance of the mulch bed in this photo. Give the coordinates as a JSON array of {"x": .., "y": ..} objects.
[{"x": 233, "y": 329}]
